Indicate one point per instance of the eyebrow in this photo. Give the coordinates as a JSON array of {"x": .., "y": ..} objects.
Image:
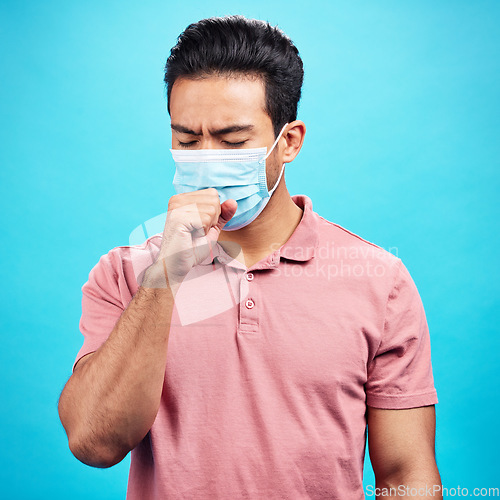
[{"x": 221, "y": 131}]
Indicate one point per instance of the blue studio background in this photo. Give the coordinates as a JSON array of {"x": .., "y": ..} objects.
[{"x": 401, "y": 101}]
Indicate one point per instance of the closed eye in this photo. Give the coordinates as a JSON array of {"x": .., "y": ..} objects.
[
  {"x": 186, "y": 144},
  {"x": 228, "y": 143}
]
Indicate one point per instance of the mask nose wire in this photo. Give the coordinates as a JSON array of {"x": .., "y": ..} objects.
[{"x": 276, "y": 141}]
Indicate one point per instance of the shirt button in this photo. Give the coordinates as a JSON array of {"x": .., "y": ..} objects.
[
  {"x": 249, "y": 303},
  {"x": 249, "y": 276}
]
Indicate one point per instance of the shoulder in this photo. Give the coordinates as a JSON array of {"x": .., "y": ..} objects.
[
  {"x": 150, "y": 244},
  {"x": 125, "y": 264},
  {"x": 340, "y": 244},
  {"x": 369, "y": 266}
]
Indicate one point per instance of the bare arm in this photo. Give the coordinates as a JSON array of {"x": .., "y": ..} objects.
[
  {"x": 401, "y": 445},
  {"x": 110, "y": 402}
]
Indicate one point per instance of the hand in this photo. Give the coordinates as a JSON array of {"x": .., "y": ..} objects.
[{"x": 193, "y": 224}]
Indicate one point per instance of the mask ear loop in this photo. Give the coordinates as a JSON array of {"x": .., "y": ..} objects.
[
  {"x": 276, "y": 141},
  {"x": 283, "y": 166},
  {"x": 278, "y": 181}
]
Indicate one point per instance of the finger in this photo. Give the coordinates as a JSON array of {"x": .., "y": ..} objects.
[
  {"x": 227, "y": 211},
  {"x": 201, "y": 217},
  {"x": 207, "y": 205},
  {"x": 201, "y": 248},
  {"x": 208, "y": 196}
]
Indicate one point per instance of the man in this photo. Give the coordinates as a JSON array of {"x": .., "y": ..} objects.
[{"x": 243, "y": 352}]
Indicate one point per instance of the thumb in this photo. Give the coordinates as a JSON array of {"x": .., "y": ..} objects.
[{"x": 227, "y": 210}]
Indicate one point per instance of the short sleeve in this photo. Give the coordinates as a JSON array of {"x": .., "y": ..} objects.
[
  {"x": 400, "y": 374},
  {"x": 102, "y": 304}
]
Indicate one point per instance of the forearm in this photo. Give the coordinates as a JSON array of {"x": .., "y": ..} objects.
[
  {"x": 110, "y": 403},
  {"x": 415, "y": 484}
]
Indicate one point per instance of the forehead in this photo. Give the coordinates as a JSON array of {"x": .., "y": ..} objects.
[{"x": 220, "y": 99}]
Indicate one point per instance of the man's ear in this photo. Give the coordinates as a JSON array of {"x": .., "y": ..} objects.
[{"x": 294, "y": 136}]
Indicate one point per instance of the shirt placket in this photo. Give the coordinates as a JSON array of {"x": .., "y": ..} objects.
[{"x": 249, "y": 304}]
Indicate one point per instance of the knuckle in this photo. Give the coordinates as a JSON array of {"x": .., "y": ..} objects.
[
  {"x": 213, "y": 192},
  {"x": 206, "y": 219},
  {"x": 173, "y": 201}
]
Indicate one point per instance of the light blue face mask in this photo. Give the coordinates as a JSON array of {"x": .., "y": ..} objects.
[{"x": 238, "y": 174}]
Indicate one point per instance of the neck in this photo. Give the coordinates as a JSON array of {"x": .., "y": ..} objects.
[{"x": 271, "y": 229}]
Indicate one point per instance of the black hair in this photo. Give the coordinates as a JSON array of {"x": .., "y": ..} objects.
[{"x": 234, "y": 44}]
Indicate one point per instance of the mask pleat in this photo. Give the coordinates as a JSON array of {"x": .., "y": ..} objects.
[{"x": 238, "y": 174}]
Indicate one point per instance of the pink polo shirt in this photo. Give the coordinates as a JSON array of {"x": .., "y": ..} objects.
[{"x": 269, "y": 369}]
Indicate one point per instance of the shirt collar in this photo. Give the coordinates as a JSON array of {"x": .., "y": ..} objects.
[{"x": 301, "y": 246}]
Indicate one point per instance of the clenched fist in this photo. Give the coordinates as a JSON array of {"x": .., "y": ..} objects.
[{"x": 193, "y": 224}]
